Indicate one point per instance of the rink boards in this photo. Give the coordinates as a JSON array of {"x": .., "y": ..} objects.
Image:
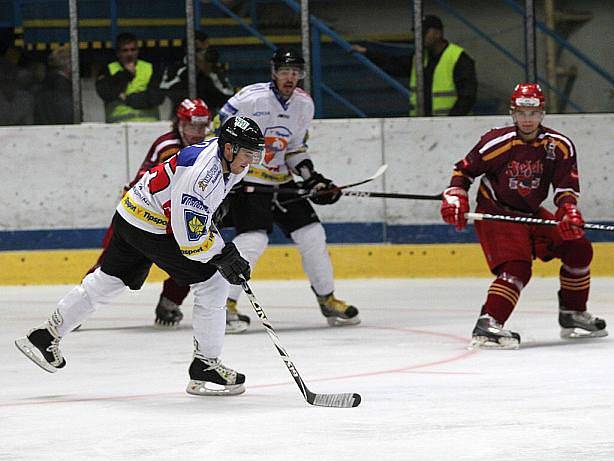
[
  {"x": 68, "y": 180},
  {"x": 282, "y": 262}
]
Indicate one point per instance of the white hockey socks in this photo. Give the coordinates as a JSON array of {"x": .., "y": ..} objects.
[
  {"x": 311, "y": 242},
  {"x": 80, "y": 302},
  {"x": 251, "y": 245}
]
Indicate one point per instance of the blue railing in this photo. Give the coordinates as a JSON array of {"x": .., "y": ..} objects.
[
  {"x": 508, "y": 54},
  {"x": 564, "y": 43},
  {"x": 322, "y": 28},
  {"x": 316, "y": 94}
]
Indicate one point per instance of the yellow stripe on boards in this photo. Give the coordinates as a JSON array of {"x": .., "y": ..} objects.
[{"x": 283, "y": 263}]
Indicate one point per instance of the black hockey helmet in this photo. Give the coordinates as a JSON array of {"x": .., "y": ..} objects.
[
  {"x": 285, "y": 57},
  {"x": 242, "y": 132}
]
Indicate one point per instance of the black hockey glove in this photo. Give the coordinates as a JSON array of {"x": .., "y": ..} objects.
[
  {"x": 231, "y": 265},
  {"x": 323, "y": 189}
]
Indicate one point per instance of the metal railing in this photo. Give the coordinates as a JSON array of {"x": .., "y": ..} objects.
[{"x": 508, "y": 54}]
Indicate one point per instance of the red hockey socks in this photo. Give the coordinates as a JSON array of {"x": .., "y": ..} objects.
[
  {"x": 575, "y": 285},
  {"x": 175, "y": 292}
]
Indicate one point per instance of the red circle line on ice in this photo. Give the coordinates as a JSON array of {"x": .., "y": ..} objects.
[{"x": 456, "y": 357}]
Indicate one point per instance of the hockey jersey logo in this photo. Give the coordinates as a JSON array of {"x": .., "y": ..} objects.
[
  {"x": 276, "y": 142},
  {"x": 210, "y": 176},
  {"x": 193, "y": 202},
  {"x": 196, "y": 224},
  {"x": 524, "y": 176},
  {"x": 550, "y": 147}
]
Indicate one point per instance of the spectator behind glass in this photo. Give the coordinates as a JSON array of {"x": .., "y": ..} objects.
[
  {"x": 212, "y": 84},
  {"x": 450, "y": 83},
  {"x": 16, "y": 102},
  {"x": 53, "y": 103},
  {"x": 211, "y": 79},
  {"x": 129, "y": 86}
]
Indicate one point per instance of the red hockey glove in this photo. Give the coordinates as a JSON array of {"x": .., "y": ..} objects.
[
  {"x": 571, "y": 222},
  {"x": 454, "y": 206}
]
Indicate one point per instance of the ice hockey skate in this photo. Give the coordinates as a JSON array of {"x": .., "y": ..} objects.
[
  {"x": 489, "y": 334},
  {"x": 337, "y": 312},
  {"x": 168, "y": 314},
  {"x": 578, "y": 325},
  {"x": 42, "y": 346},
  {"x": 235, "y": 321},
  {"x": 211, "y": 377}
]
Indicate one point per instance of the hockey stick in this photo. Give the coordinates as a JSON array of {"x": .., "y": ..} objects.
[
  {"x": 322, "y": 400},
  {"x": 529, "y": 220},
  {"x": 359, "y": 193},
  {"x": 380, "y": 171}
]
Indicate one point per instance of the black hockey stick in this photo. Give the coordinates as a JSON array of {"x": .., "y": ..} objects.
[
  {"x": 529, "y": 220},
  {"x": 359, "y": 193},
  {"x": 309, "y": 194},
  {"x": 322, "y": 400}
]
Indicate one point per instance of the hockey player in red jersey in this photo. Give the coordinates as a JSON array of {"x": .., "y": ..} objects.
[
  {"x": 192, "y": 125},
  {"x": 517, "y": 165}
]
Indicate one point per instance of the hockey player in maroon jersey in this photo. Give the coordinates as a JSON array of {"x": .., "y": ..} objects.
[
  {"x": 518, "y": 164},
  {"x": 192, "y": 125}
]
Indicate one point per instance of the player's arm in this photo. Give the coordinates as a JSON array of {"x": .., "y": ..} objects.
[
  {"x": 233, "y": 107},
  {"x": 455, "y": 201},
  {"x": 299, "y": 161},
  {"x": 109, "y": 87},
  {"x": 566, "y": 185},
  {"x": 152, "y": 96}
]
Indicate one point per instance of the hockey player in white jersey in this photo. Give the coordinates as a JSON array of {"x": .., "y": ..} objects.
[
  {"x": 284, "y": 112},
  {"x": 165, "y": 218}
]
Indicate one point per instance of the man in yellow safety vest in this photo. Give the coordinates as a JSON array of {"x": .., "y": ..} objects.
[
  {"x": 450, "y": 83},
  {"x": 129, "y": 86}
]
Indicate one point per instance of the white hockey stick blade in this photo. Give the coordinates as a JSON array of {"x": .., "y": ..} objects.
[
  {"x": 380, "y": 171},
  {"x": 334, "y": 400},
  {"x": 323, "y": 400}
]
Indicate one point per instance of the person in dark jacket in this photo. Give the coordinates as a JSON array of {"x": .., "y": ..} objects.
[
  {"x": 53, "y": 102},
  {"x": 212, "y": 84}
]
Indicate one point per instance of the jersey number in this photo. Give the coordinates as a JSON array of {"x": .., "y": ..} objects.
[{"x": 160, "y": 176}]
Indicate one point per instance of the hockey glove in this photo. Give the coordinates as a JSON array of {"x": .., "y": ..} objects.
[
  {"x": 323, "y": 191},
  {"x": 570, "y": 222},
  {"x": 454, "y": 206},
  {"x": 232, "y": 265}
]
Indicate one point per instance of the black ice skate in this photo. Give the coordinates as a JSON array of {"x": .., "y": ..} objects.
[
  {"x": 210, "y": 377},
  {"x": 168, "y": 314},
  {"x": 488, "y": 333},
  {"x": 235, "y": 321},
  {"x": 337, "y": 312},
  {"x": 42, "y": 346},
  {"x": 577, "y": 325}
]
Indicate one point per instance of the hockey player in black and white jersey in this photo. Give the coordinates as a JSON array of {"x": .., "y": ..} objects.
[
  {"x": 284, "y": 112},
  {"x": 165, "y": 218}
]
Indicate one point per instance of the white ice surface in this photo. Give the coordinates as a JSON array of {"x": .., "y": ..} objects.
[{"x": 425, "y": 396}]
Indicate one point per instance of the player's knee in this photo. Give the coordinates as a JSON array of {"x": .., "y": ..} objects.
[
  {"x": 101, "y": 288},
  {"x": 211, "y": 294},
  {"x": 577, "y": 253},
  {"x": 251, "y": 244},
  {"x": 310, "y": 235},
  {"x": 517, "y": 273}
]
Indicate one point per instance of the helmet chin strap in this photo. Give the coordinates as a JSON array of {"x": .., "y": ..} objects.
[{"x": 235, "y": 151}]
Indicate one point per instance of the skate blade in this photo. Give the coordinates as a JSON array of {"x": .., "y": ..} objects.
[
  {"x": 339, "y": 322},
  {"x": 207, "y": 388},
  {"x": 580, "y": 333},
  {"x": 30, "y": 351},
  {"x": 482, "y": 342},
  {"x": 234, "y": 327}
]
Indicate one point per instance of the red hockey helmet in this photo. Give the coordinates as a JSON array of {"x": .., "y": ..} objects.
[
  {"x": 193, "y": 111},
  {"x": 527, "y": 95}
]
